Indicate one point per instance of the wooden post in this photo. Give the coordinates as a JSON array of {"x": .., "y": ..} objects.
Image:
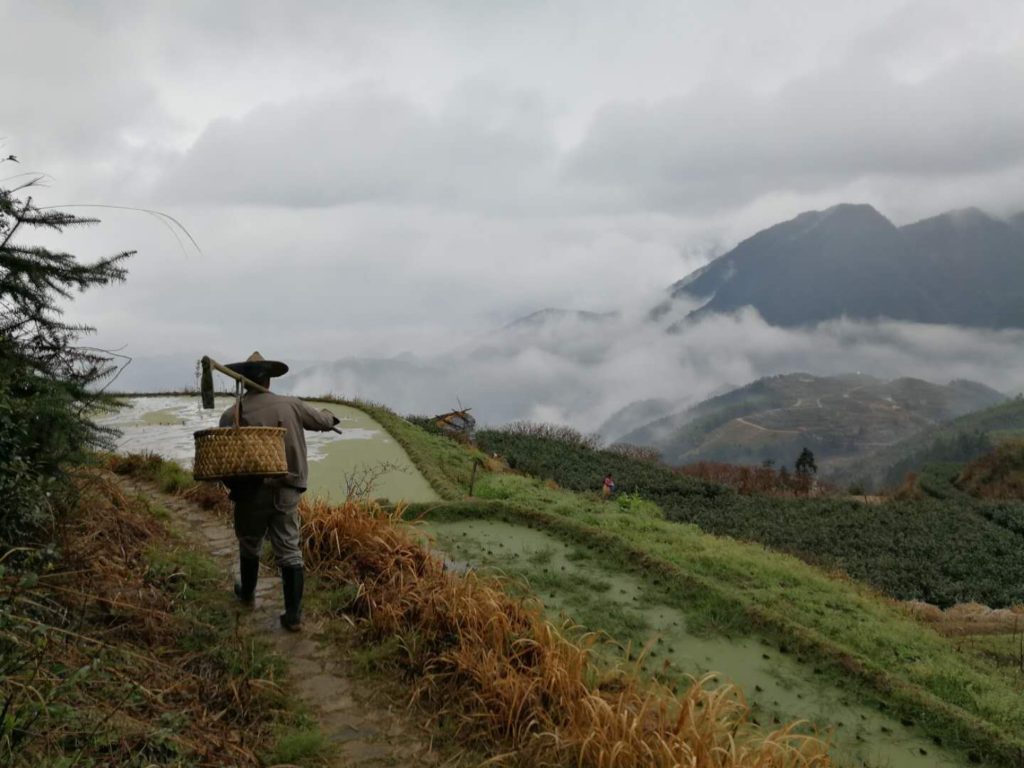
[
  {"x": 209, "y": 361},
  {"x": 206, "y": 383},
  {"x": 472, "y": 477}
]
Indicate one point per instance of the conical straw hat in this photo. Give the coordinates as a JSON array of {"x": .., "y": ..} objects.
[{"x": 256, "y": 366}]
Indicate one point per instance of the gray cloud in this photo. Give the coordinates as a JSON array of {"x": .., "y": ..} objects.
[
  {"x": 71, "y": 100},
  {"x": 485, "y": 148},
  {"x": 368, "y": 179},
  {"x": 723, "y": 144}
]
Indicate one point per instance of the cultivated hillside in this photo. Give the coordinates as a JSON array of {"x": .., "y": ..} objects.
[
  {"x": 962, "y": 267},
  {"x": 962, "y": 439},
  {"x": 837, "y": 417}
]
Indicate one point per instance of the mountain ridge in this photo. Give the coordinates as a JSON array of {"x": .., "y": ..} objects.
[
  {"x": 961, "y": 267},
  {"x": 838, "y": 417}
]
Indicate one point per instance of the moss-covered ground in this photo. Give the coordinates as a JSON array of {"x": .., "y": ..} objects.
[{"x": 372, "y": 455}]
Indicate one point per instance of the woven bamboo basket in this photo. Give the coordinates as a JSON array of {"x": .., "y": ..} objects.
[{"x": 227, "y": 452}]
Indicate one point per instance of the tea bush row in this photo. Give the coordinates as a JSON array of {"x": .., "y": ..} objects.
[
  {"x": 942, "y": 552},
  {"x": 1006, "y": 514},
  {"x": 576, "y": 465}
]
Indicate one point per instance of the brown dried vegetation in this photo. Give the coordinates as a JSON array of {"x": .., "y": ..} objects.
[
  {"x": 752, "y": 480},
  {"x": 95, "y": 668}
]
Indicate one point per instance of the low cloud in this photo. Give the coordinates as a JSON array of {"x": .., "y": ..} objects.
[{"x": 580, "y": 371}]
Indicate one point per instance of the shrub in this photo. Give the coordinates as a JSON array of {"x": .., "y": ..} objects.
[
  {"x": 558, "y": 433},
  {"x": 47, "y": 381},
  {"x": 637, "y": 452}
]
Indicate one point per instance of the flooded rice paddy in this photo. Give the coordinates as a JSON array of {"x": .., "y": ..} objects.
[
  {"x": 573, "y": 582},
  {"x": 164, "y": 425}
]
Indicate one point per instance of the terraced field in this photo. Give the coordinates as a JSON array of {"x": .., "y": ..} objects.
[
  {"x": 940, "y": 700},
  {"x": 164, "y": 425},
  {"x": 677, "y": 601},
  {"x": 576, "y": 582}
]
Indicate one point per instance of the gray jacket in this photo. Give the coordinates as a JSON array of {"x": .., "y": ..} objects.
[{"x": 266, "y": 409}]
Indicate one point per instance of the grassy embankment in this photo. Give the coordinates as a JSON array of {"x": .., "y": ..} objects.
[
  {"x": 844, "y": 628},
  {"x": 119, "y": 646},
  {"x": 498, "y": 673}
]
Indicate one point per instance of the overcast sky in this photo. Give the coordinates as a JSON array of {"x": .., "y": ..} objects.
[{"x": 378, "y": 177}]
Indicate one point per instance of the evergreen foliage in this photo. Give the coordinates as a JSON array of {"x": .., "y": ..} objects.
[
  {"x": 805, "y": 465},
  {"x": 47, "y": 380}
]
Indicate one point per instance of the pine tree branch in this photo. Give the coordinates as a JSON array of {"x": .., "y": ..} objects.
[{"x": 17, "y": 223}]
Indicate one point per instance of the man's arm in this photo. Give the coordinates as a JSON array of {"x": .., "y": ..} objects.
[{"x": 314, "y": 419}]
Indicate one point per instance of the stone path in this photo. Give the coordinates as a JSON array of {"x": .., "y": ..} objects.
[{"x": 367, "y": 728}]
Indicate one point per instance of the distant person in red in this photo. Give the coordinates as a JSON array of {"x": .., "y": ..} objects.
[{"x": 609, "y": 486}]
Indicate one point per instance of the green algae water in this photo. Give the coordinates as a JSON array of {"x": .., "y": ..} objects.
[
  {"x": 341, "y": 458},
  {"x": 574, "y": 583},
  {"x": 164, "y": 425}
]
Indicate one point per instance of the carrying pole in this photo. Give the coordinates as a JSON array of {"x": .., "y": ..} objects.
[{"x": 209, "y": 363}]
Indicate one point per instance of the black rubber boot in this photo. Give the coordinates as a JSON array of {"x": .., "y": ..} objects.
[
  {"x": 245, "y": 590},
  {"x": 292, "y": 582}
]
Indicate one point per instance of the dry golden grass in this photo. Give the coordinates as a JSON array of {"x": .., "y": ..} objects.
[
  {"x": 94, "y": 672},
  {"x": 213, "y": 497},
  {"x": 966, "y": 618},
  {"x": 509, "y": 679}
]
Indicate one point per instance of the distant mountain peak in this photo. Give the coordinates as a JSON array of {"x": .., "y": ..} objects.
[
  {"x": 553, "y": 314},
  {"x": 853, "y": 209},
  {"x": 961, "y": 267},
  {"x": 959, "y": 219}
]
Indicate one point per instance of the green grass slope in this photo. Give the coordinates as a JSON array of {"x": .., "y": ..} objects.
[{"x": 842, "y": 628}]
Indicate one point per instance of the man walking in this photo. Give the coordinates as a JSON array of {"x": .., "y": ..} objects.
[{"x": 270, "y": 505}]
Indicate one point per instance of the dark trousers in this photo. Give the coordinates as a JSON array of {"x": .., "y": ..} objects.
[{"x": 269, "y": 508}]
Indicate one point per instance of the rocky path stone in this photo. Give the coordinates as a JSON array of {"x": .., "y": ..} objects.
[{"x": 366, "y": 727}]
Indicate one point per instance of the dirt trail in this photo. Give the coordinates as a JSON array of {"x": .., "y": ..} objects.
[
  {"x": 366, "y": 727},
  {"x": 743, "y": 421}
]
